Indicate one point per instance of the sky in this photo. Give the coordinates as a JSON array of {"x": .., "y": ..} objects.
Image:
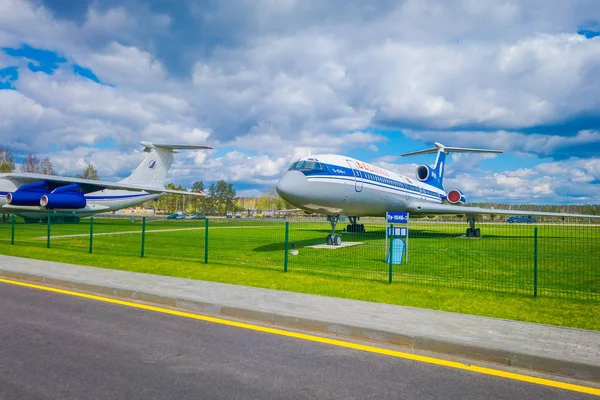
[{"x": 267, "y": 81}]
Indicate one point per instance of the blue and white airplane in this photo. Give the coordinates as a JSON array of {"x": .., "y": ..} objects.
[
  {"x": 335, "y": 185},
  {"x": 35, "y": 196}
]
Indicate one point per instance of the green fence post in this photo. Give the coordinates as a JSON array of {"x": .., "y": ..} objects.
[
  {"x": 12, "y": 230},
  {"x": 91, "y": 233},
  {"x": 49, "y": 224},
  {"x": 535, "y": 260},
  {"x": 391, "y": 253},
  {"x": 285, "y": 257},
  {"x": 206, "y": 241},
  {"x": 143, "y": 234}
]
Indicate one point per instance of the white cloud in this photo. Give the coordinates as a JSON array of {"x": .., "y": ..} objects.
[
  {"x": 285, "y": 78},
  {"x": 125, "y": 65},
  {"x": 509, "y": 141},
  {"x": 545, "y": 183}
]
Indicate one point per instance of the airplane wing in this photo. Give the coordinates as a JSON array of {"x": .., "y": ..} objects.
[
  {"x": 435, "y": 209},
  {"x": 86, "y": 185}
]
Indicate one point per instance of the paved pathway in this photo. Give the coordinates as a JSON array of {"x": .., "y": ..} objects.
[{"x": 546, "y": 348}]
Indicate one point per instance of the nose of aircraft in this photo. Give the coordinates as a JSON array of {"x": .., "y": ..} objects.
[{"x": 292, "y": 187}]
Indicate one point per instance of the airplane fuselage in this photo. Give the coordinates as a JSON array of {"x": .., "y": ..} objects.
[
  {"x": 334, "y": 184},
  {"x": 96, "y": 202}
]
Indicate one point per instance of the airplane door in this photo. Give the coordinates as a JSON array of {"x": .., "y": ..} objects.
[{"x": 358, "y": 180}]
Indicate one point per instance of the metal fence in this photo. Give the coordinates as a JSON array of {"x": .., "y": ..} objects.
[{"x": 559, "y": 259}]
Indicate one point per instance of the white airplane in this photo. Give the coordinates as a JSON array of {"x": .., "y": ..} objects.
[
  {"x": 335, "y": 185},
  {"x": 35, "y": 196}
]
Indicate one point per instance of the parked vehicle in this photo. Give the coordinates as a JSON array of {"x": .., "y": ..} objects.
[
  {"x": 521, "y": 218},
  {"x": 176, "y": 216}
]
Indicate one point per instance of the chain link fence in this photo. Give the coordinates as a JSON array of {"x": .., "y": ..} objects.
[{"x": 550, "y": 258}]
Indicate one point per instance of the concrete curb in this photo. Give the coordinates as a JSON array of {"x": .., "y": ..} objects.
[{"x": 539, "y": 362}]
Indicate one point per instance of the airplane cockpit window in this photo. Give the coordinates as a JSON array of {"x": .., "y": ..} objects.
[
  {"x": 294, "y": 165},
  {"x": 308, "y": 165}
]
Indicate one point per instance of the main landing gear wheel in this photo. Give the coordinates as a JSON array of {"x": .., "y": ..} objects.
[
  {"x": 472, "y": 231},
  {"x": 353, "y": 227}
]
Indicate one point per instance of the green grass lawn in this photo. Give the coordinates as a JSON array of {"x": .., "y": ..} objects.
[{"x": 491, "y": 276}]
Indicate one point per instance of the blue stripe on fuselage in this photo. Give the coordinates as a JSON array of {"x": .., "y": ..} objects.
[{"x": 338, "y": 172}]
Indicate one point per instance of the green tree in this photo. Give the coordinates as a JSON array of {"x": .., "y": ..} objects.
[
  {"x": 222, "y": 196},
  {"x": 172, "y": 202},
  {"x": 197, "y": 202},
  {"x": 89, "y": 173},
  {"x": 7, "y": 163}
]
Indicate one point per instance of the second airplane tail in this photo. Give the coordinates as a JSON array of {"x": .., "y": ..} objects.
[
  {"x": 434, "y": 175},
  {"x": 153, "y": 170}
]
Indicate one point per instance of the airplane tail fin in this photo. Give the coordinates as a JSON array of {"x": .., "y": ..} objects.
[
  {"x": 153, "y": 170},
  {"x": 434, "y": 175}
]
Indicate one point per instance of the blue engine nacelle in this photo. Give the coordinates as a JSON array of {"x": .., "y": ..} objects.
[
  {"x": 424, "y": 172},
  {"x": 455, "y": 197},
  {"x": 72, "y": 200},
  {"x": 27, "y": 195},
  {"x": 24, "y": 198}
]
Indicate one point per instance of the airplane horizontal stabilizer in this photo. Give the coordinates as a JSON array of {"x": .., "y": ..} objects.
[
  {"x": 150, "y": 145},
  {"x": 447, "y": 150}
]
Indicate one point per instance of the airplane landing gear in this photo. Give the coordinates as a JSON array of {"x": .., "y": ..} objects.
[
  {"x": 354, "y": 227},
  {"x": 332, "y": 238},
  {"x": 472, "y": 231}
]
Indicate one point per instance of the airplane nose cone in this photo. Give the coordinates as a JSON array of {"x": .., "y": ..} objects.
[{"x": 292, "y": 187}]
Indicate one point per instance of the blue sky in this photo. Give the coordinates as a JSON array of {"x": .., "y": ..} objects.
[{"x": 266, "y": 81}]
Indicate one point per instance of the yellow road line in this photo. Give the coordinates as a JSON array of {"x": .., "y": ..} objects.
[{"x": 333, "y": 342}]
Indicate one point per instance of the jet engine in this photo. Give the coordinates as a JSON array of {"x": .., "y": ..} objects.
[
  {"x": 27, "y": 195},
  {"x": 423, "y": 172},
  {"x": 63, "y": 200},
  {"x": 455, "y": 197},
  {"x": 23, "y": 198},
  {"x": 64, "y": 197}
]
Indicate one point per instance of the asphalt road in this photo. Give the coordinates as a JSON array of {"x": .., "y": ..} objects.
[{"x": 55, "y": 346}]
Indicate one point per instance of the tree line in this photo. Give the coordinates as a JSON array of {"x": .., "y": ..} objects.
[
  {"x": 33, "y": 164},
  {"x": 589, "y": 209},
  {"x": 221, "y": 197}
]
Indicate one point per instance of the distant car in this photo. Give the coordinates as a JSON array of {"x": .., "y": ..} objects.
[
  {"x": 199, "y": 216},
  {"x": 176, "y": 216},
  {"x": 521, "y": 218}
]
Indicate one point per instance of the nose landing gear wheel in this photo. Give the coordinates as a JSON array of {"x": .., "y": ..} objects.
[
  {"x": 337, "y": 240},
  {"x": 334, "y": 240}
]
